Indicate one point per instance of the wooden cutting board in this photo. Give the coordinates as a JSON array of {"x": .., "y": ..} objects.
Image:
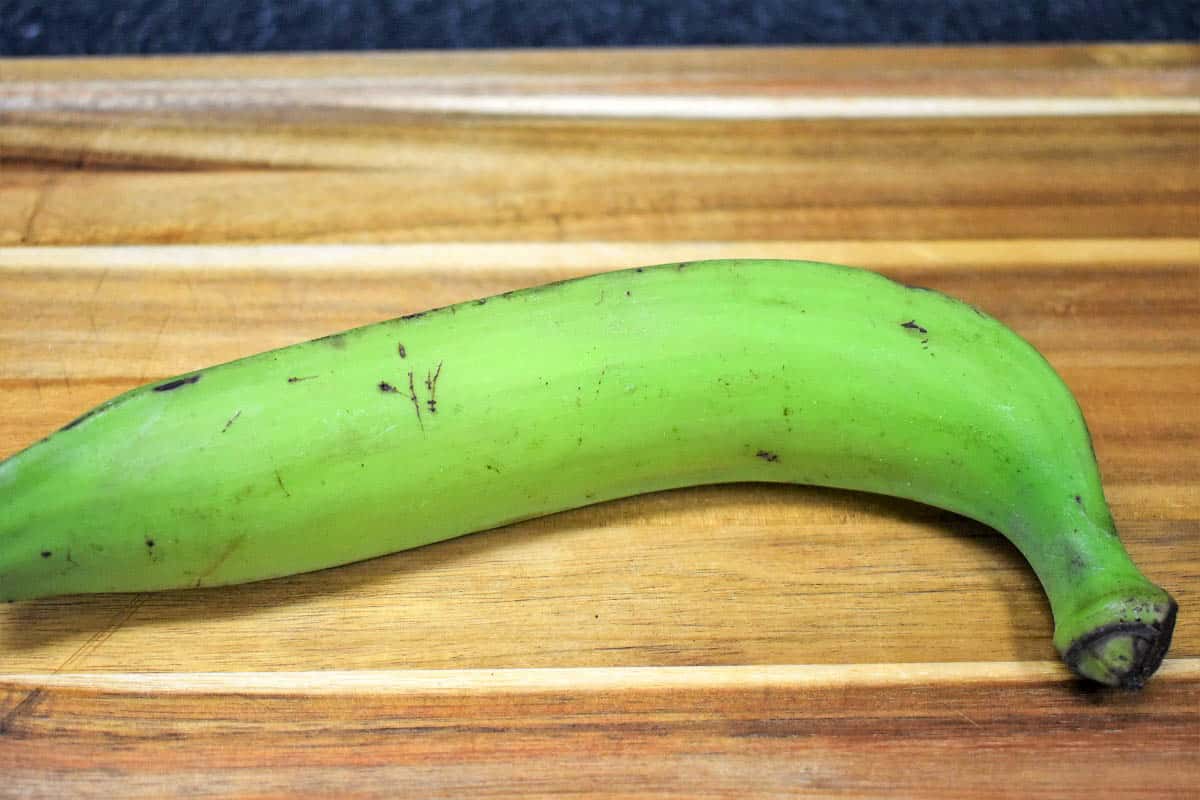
[{"x": 161, "y": 215}]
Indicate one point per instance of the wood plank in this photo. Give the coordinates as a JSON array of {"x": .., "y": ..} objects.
[
  {"x": 719, "y": 575},
  {"x": 922, "y": 179},
  {"x": 622, "y": 145},
  {"x": 988, "y": 731}
]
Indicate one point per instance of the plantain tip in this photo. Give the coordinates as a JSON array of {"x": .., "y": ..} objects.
[{"x": 1124, "y": 654}]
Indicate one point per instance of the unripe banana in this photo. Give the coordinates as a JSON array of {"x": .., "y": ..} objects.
[{"x": 439, "y": 424}]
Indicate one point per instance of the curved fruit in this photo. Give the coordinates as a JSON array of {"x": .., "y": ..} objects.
[{"x": 465, "y": 418}]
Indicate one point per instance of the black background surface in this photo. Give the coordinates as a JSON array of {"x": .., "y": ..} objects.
[{"x": 111, "y": 27}]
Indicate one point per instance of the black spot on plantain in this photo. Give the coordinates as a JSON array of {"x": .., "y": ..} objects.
[
  {"x": 47, "y": 553},
  {"x": 171, "y": 386},
  {"x": 299, "y": 379},
  {"x": 386, "y": 387},
  {"x": 400, "y": 349},
  {"x": 913, "y": 326},
  {"x": 768, "y": 456},
  {"x": 414, "y": 315}
]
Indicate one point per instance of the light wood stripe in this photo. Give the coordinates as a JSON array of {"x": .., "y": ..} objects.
[
  {"x": 467, "y": 257},
  {"x": 575, "y": 679},
  {"x": 143, "y": 96}
]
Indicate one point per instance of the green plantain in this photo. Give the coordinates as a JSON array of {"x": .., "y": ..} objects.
[{"x": 465, "y": 418}]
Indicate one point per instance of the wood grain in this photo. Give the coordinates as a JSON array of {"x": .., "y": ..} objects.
[
  {"x": 872, "y": 145},
  {"x": 158, "y": 215},
  {"x": 988, "y": 731}
]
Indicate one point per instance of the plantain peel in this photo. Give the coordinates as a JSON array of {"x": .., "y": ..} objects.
[{"x": 468, "y": 417}]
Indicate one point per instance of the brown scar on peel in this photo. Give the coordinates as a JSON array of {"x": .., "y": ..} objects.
[
  {"x": 431, "y": 380},
  {"x": 416, "y": 402}
]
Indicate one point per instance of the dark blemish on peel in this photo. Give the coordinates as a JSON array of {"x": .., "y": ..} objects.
[
  {"x": 412, "y": 395},
  {"x": 386, "y": 387},
  {"x": 913, "y": 326},
  {"x": 46, "y": 554},
  {"x": 481, "y": 301},
  {"x": 86, "y": 416},
  {"x": 768, "y": 456},
  {"x": 628, "y": 293},
  {"x": 431, "y": 380},
  {"x": 1079, "y": 501},
  {"x": 149, "y": 543},
  {"x": 232, "y": 420},
  {"x": 279, "y": 480},
  {"x": 75, "y": 421},
  {"x": 682, "y": 265},
  {"x": 639, "y": 269},
  {"x": 787, "y": 412},
  {"x": 415, "y": 315},
  {"x": 171, "y": 386},
  {"x": 335, "y": 340},
  {"x": 295, "y": 379},
  {"x": 400, "y": 349}
]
